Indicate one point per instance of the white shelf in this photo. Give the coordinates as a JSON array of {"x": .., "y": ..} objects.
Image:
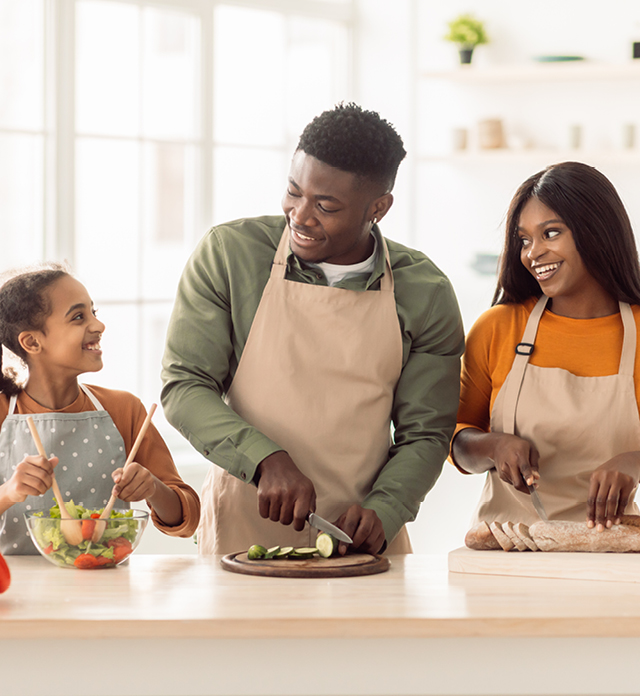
[
  {"x": 572, "y": 70},
  {"x": 506, "y": 156}
]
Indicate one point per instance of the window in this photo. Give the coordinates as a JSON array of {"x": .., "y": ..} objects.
[{"x": 128, "y": 128}]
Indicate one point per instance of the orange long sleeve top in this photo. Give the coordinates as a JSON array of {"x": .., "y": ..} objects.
[
  {"x": 584, "y": 347},
  {"x": 128, "y": 414}
]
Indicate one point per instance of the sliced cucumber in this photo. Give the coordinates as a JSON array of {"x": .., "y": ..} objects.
[
  {"x": 255, "y": 552},
  {"x": 326, "y": 545},
  {"x": 303, "y": 552},
  {"x": 272, "y": 552},
  {"x": 284, "y": 552}
]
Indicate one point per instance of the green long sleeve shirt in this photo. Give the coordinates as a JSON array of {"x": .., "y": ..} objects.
[{"x": 217, "y": 299}]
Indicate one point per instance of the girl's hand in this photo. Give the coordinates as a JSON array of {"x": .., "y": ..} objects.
[
  {"x": 134, "y": 483},
  {"x": 515, "y": 460},
  {"x": 610, "y": 488},
  {"x": 33, "y": 476}
]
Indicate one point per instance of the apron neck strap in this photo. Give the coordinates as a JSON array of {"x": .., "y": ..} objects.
[
  {"x": 520, "y": 362},
  {"x": 92, "y": 398},
  {"x": 628, "y": 357},
  {"x": 525, "y": 348},
  {"x": 279, "y": 265}
]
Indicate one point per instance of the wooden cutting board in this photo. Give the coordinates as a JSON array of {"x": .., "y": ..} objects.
[
  {"x": 615, "y": 567},
  {"x": 335, "y": 567}
]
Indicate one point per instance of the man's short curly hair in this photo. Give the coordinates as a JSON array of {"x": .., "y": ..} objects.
[{"x": 349, "y": 138}]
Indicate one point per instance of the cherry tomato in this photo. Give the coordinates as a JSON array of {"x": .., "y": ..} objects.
[
  {"x": 85, "y": 561},
  {"x": 121, "y": 548},
  {"x": 104, "y": 561},
  {"x": 5, "y": 575},
  {"x": 87, "y": 528}
]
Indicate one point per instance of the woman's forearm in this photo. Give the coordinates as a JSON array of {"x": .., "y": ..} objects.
[{"x": 473, "y": 450}]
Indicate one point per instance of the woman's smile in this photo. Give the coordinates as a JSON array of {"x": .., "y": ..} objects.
[{"x": 545, "y": 271}]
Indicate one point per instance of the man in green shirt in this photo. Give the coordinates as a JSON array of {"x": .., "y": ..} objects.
[{"x": 297, "y": 340}]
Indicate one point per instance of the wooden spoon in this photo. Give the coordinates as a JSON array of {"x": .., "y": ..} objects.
[
  {"x": 98, "y": 530},
  {"x": 70, "y": 527}
]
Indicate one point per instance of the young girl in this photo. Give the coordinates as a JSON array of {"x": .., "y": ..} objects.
[
  {"x": 551, "y": 374},
  {"x": 47, "y": 319}
]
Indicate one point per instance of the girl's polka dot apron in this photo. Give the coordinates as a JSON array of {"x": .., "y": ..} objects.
[{"x": 89, "y": 448}]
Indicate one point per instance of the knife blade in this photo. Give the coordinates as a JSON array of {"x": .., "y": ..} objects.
[
  {"x": 324, "y": 526},
  {"x": 537, "y": 503}
]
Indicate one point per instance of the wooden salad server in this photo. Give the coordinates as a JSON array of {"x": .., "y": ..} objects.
[
  {"x": 98, "y": 530},
  {"x": 69, "y": 526}
]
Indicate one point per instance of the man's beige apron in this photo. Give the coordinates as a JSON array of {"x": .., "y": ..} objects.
[
  {"x": 576, "y": 423},
  {"x": 317, "y": 376}
]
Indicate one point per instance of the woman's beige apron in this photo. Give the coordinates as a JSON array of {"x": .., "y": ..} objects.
[
  {"x": 317, "y": 376},
  {"x": 576, "y": 423}
]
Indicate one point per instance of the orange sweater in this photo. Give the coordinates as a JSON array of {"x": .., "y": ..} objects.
[
  {"x": 128, "y": 414},
  {"x": 584, "y": 347}
]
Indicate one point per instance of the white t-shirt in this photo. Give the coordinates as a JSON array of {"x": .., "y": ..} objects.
[{"x": 334, "y": 272}]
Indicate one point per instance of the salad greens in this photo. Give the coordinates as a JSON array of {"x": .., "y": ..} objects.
[{"x": 118, "y": 537}]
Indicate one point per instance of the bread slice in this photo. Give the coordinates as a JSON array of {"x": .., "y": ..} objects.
[
  {"x": 523, "y": 532},
  {"x": 507, "y": 528},
  {"x": 503, "y": 539}
]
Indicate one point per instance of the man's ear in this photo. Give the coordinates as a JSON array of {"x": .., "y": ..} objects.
[
  {"x": 29, "y": 340},
  {"x": 380, "y": 207}
]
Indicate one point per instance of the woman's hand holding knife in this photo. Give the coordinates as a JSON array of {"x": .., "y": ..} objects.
[{"x": 515, "y": 459}]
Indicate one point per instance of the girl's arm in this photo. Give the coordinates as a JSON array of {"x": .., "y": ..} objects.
[
  {"x": 137, "y": 483},
  {"x": 175, "y": 506}
]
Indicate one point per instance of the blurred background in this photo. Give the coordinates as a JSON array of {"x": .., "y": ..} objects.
[{"x": 129, "y": 127}]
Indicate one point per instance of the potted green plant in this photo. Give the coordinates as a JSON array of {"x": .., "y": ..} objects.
[{"x": 468, "y": 32}]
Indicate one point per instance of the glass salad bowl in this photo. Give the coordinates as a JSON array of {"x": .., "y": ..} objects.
[{"x": 56, "y": 539}]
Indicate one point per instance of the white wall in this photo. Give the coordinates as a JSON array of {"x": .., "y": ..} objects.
[
  {"x": 458, "y": 207},
  {"x": 453, "y": 210}
]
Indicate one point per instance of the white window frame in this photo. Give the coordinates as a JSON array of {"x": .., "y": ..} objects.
[{"x": 59, "y": 233}]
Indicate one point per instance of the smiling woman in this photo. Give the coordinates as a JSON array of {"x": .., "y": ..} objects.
[{"x": 551, "y": 374}]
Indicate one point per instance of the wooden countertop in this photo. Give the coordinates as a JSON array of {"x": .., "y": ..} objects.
[{"x": 193, "y": 597}]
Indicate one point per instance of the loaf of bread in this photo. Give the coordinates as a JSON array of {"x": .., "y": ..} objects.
[
  {"x": 556, "y": 535},
  {"x": 576, "y": 536}
]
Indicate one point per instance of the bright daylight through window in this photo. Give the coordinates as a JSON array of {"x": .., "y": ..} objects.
[{"x": 128, "y": 128}]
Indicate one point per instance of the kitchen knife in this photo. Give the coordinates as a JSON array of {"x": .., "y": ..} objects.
[
  {"x": 537, "y": 503},
  {"x": 324, "y": 526}
]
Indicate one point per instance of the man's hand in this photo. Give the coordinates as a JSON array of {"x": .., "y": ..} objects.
[
  {"x": 610, "y": 488},
  {"x": 364, "y": 527},
  {"x": 285, "y": 494},
  {"x": 32, "y": 476},
  {"x": 516, "y": 460}
]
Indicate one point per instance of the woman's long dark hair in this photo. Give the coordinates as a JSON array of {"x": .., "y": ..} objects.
[
  {"x": 24, "y": 306},
  {"x": 591, "y": 208}
]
